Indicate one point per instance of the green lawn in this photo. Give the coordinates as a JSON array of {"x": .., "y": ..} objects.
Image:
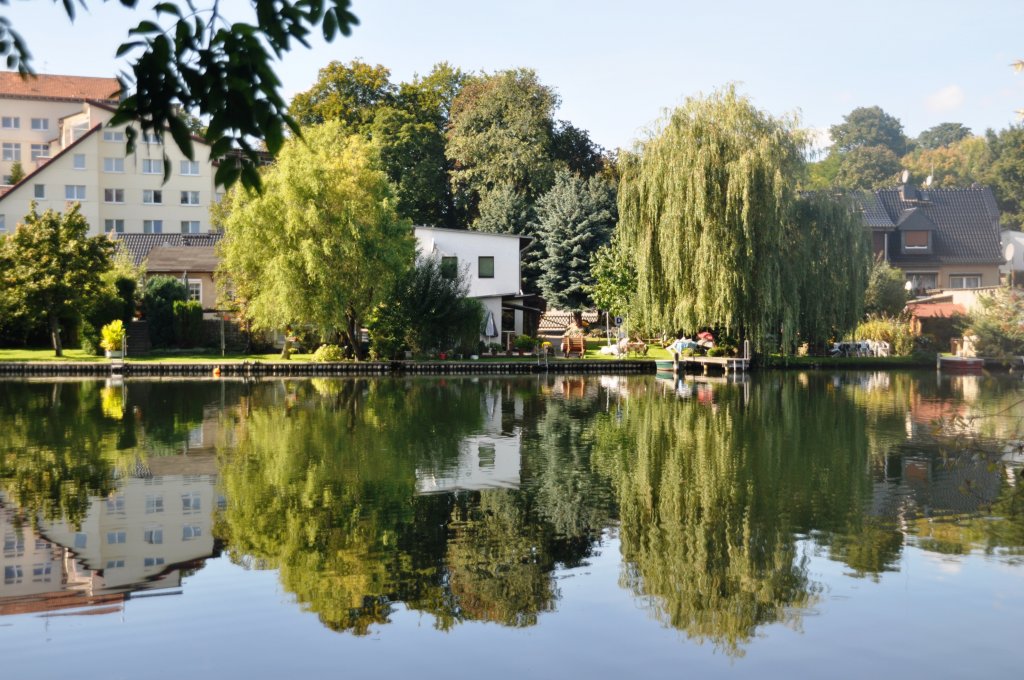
[{"x": 159, "y": 357}]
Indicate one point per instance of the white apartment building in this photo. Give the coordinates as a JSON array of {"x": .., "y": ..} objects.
[
  {"x": 84, "y": 162},
  {"x": 31, "y": 110}
]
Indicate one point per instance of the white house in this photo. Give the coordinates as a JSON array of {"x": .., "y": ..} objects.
[
  {"x": 492, "y": 266},
  {"x": 82, "y": 160}
]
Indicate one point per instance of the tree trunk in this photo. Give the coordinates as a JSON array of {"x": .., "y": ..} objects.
[
  {"x": 58, "y": 348},
  {"x": 352, "y": 331}
]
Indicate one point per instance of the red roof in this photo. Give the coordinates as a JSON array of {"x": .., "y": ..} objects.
[
  {"x": 65, "y": 88},
  {"x": 933, "y": 310}
]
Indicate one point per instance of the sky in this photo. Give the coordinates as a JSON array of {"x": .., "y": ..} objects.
[{"x": 618, "y": 66}]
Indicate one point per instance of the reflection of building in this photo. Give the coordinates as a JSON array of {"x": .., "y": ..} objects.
[
  {"x": 139, "y": 538},
  {"x": 489, "y": 459}
]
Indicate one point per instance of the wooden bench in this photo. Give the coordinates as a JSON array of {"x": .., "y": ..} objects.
[{"x": 574, "y": 344}]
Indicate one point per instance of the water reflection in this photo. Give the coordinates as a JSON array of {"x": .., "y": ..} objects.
[{"x": 465, "y": 499}]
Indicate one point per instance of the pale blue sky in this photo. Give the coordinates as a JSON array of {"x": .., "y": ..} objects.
[{"x": 618, "y": 65}]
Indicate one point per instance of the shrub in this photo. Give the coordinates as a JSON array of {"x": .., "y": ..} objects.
[
  {"x": 188, "y": 323},
  {"x": 998, "y": 323},
  {"x": 112, "y": 336},
  {"x": 89, "y": 338},
  {"x": 893, "y": 330},
  {"x": 328, "y": 353},
  {"x": 885, "y": 294},
  {"x": 688, "y": 352},
  {"x": 717, "y": 352},
  {"x": 495, "y": 347},
  {"x": 524, "y": 343},
  {"x": 158, "y": 298}
]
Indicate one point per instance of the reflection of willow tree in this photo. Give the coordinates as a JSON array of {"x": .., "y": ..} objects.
[
  {"x": 323, "y": 488},
  {"x": 711, "y": 498}
]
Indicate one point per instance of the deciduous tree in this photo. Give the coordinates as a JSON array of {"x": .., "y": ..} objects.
[
  {"x": 943, "y": 134},
  {"x": 868, "y": 167},
  {"x": 324, "y": 244},
  {"x": 54, "y": 268},
  {"x": 869, "y": 126}
]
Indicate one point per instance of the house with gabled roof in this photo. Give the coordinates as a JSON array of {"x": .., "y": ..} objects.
[{"x": 939, "y": 238}]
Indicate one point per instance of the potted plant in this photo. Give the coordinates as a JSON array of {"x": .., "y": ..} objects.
[
  {"x": 524, "y": 343},
  {"x": 495, "y": 348},
  {"x": 112, "y": 338}
]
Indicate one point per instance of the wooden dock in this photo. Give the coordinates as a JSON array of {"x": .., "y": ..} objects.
[{"x": 726, "y": 365}]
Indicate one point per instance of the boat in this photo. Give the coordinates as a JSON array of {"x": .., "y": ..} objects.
[{"x": 961, "y": 365}]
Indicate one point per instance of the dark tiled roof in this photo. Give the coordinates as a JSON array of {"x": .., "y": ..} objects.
[
  {"x": 966, "y": 225},
  {"x": 874, "y": 213},
  {"x": 61, "y": 88},
  {"x": 139, "y": 245}
]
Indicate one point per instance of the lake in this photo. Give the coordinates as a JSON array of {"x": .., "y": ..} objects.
[{"x": 853, "y": 524}]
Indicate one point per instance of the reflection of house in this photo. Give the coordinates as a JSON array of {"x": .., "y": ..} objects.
[
  {"x": 491, "y": 263},
  {"x": 489, "y": 459},
  {"x": 940, "y": 238},
  {"x": 138, "y": 538}
]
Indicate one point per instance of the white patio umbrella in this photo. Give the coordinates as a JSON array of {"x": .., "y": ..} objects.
[{"x": 490, "y": 328}]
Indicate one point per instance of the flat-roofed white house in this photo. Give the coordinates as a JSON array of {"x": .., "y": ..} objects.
[
  {"x": 85, "y": 163},
  {"x": 492, "y": 266}
]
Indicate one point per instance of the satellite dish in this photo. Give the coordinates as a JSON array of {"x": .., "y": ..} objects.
[
  {"x": 905, "y": 176},
  {"x": 928, "y": 181},
  {"x": 1008, "y": 252}
]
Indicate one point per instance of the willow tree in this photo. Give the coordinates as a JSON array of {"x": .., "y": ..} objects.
[
  {"x": 707, "y": 206},
  {"x": 323, "y": 244}
]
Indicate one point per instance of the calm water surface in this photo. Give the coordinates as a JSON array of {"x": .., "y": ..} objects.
[{"x": 792, "y": 525}]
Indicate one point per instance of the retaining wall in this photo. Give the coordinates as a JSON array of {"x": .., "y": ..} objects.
[{"x": 297, "y": 369}]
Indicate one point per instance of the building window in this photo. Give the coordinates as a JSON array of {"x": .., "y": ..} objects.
[
  {"x": 190, "y": 226},
  {"x": 39, "y": 191},
  {"x": 12, "y": 574},
  {"x": 79, "y": 161},
  {"x": 190, "y": 198},
  {"x": 115, "y": 504},
  {"x": 152, "y": 196},
  {"x": 115, "y": 564},
  {"x": 916, "y": 240},
  {"x": 190, "y": 168},
  {"x": 41, "y": 572},
  {"x": 449, "y": 267},
  {"x": 152, "y": 561},
  {"x": 11, "y": 151},
  {"x": 113, "y": 195},
  {"x": 152, "y": 226},
  {"x": 81, "y": 539},
  {"x": 74, "y": 192},
  {"x": 154, "y": 504},
  {"x": 153, "y": 535},
  {"x": 10, "y": 122},
  {"x": 191, "y": 531},
  {"x": 195, "y": 292},
  {"x": 117, "y": 537},
  {"x": 113, "y": 165},
  {"x": 922, "y": 281},
  {"x": 40, "y": 123},
  {"x": 39, "y": 151},
  {"x": 14, "y": 544},
  {"x": 116, "y": 226},
  {"x": 190, "y": 501},
  {"x": 113, "y": 136},
  {"x": 150, "y": 138},
  {"x": 486, "y": 267},
  {"x": 965, "y": 280},
  {"x": 152, "y": 166},
  {"x": 3, "y": 223}
]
